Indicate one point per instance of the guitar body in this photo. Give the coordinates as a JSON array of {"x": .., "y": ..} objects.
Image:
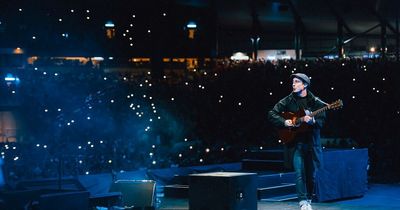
[{"x": 287, "y": 135}]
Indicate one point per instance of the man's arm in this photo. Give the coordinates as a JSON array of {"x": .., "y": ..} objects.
[{"x": 274, "y": 115}]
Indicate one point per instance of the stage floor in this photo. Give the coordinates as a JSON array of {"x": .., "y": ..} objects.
[{"x": 378, "y": 197}]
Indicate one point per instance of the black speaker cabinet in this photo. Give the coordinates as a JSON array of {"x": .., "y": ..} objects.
[
  {"x": 223, "y": 191},
  {"x": 136, "y": 193}
]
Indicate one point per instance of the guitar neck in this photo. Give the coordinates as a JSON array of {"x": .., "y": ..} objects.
[{"x": 323, "y": 109}]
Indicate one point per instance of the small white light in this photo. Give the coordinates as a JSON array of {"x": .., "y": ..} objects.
[
  {"x": 180, "y": 155},
  {"x": 191, "y": 147},
  {"x": 72, "y": 11},
  {"x": 332, "y": 88},
  {"x": 172, "y": 99},
  {"x": 110, "y": 161},
  {"x": 60, "y": 20},
  {"x": 45, "y": 146},
  {"x": 80, "y": 161},
  {"x": 112, "y": 101},
  {"x": 88, "y": 118},
  {"x": 46, "y": 110},
  {"x": 207, "y": 150},
  {"x": 153, "y": 146},
  {"x": 59, "y": 109},
  {"x": 149, "y": 31},
  {"x": 38, "y": 145},
  {"x": 87, "y": 172},
  {"x": 201, "y": 160},
  {"x": 79, "y": 147},
  {"x": 261, "y": 147},
  {"x": 101, "y": 142},
  {"x": 222, "y": 149},
  {"x": 186, "y": 139},
  {"x": 154, "y": 162},
  {"x": 281, "y": 82}
]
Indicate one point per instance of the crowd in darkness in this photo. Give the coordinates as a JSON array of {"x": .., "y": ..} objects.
[{"x": 86, "y": 120}]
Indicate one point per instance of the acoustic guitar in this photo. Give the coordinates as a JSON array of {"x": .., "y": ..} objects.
[{"x": 288, "y": 134}]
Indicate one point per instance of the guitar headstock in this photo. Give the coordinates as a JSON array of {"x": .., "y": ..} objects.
[{"x": 336, "y": 104}]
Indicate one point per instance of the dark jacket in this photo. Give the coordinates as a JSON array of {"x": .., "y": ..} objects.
[{"x": 312, "y": 138}]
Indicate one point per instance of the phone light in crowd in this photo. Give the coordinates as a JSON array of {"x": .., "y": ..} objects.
[{"x": 372, "y": 49}]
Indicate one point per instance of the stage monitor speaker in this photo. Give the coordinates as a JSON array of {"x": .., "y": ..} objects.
[
  {"x": 136, "y": 193},
  {"x": 65, "y": 201},
  {"x": 106, "y": 199},
  {"x": 223, "y": 191}
]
